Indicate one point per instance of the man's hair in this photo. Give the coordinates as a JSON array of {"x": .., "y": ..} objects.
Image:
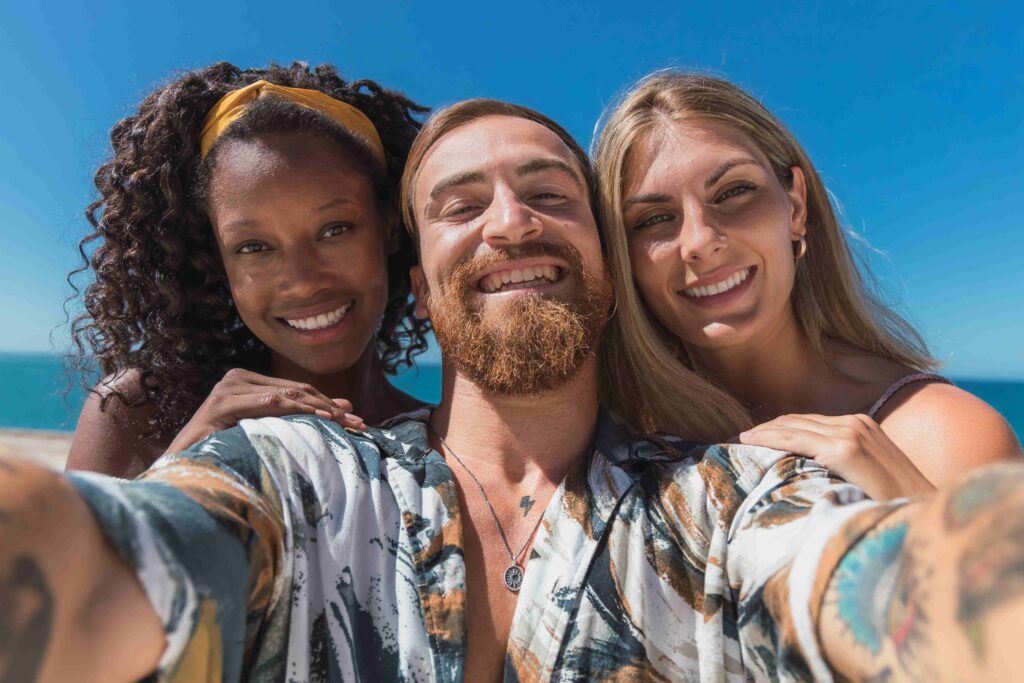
[{"x": 457, "y": 115}]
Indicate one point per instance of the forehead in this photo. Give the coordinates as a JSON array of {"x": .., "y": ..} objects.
[
  {"x": 279, "y": 157},
  {"x": 693, "y": 146},
  {"x": 489, "y": 145}
]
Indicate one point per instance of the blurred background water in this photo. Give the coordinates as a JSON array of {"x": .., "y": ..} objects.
[{"x": 34, "y": 392}]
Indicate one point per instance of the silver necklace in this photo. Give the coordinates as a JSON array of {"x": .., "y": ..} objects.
[{"x": 514, "y": 574}]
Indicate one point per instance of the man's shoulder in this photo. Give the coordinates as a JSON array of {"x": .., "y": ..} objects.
[
  {"x": 668, "y": 455},
  {"x": 305, "y": 443},
  {"x": 396, "y": 437}
]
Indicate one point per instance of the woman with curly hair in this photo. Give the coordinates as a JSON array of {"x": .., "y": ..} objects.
[{"x": 250, "y": 263}]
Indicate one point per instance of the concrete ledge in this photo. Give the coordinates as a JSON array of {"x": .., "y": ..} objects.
[{"x": 41, "y": 446}]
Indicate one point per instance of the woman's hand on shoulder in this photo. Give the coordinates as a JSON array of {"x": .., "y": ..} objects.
[
  {"x": 244, "y": 394},
  {"x": 852, "y": 446}
]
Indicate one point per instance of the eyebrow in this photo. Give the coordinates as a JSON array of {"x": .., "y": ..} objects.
[
  {"x": 455, "y": 181},
  {"x": 647, "y": 199},
  {"x": 546, "y": 164},
  {"x": 530, "y": 167},
  {"x": 657, "y": 198},
  {"x": 726, "y": 167},
  {"x": 333, "y": 203}
]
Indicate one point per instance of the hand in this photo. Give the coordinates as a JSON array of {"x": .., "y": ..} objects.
[
  {"x": 852, "y": 446},
  {"x": 243, "y": 394}
]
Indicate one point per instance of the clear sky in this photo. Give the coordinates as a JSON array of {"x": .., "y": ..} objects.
[{"x": 913, "y": 114}]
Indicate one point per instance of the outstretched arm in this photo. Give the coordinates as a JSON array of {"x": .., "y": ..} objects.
[
  {"x": 936, "y": 591},
  {"x": 71, "y": 609}
]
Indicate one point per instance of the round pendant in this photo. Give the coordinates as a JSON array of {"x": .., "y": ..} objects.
[{"x": 514, "y": 578}]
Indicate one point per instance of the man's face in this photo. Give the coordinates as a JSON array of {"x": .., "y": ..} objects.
[{"x": 512, "y": 274}]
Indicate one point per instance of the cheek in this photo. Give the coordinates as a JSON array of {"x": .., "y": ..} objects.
[
  {"x": 249, "y": 294},
  {"x": 367, "y": 270},
  {"x": 653, "y": 264}
]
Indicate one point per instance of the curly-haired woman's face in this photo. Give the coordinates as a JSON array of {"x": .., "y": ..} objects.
[{"x": 304, "y": 248}]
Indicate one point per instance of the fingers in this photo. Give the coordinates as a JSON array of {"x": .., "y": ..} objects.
[
  {"x": 799, "y": 441},
  {"x": 263, "y": 390}
]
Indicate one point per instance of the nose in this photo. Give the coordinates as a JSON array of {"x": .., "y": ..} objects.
[
  {"x": 510, "y": 220},
  {"x": 306, "y": 273},
  {"x": 699, "y": 239}
]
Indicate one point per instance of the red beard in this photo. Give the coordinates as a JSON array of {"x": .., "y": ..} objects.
[{"x": 531, "y": 344}]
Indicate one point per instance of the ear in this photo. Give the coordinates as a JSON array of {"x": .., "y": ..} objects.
[
  {"x": 798, "y": 201},
  {"x": 393, "y": 234},
  {"x": 420, "y": 290}
]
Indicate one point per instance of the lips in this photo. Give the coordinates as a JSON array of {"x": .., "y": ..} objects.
[
  {"x": 720, "y": 287},
  {"x": 320, "y": 320}
]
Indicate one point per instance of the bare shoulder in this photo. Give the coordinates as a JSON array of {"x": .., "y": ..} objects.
[
  {"x": 946, "y": 431},
  {"x": 110, "y": 436}
]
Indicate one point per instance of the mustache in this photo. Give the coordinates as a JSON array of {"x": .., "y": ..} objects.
[{"x": 462, "y": 272}]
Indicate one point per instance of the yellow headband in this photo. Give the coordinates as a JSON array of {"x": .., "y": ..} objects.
[{"x": 231, "y": 107}]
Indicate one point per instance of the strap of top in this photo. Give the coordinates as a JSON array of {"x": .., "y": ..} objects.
[{"x": 902, "y": 382}]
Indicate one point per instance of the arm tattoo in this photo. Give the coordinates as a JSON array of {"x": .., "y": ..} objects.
[
  {"x": 27, "y": 608},
  {"x": 990, "y": 573},
  {"x": 863, "y": 580},
  {"x": 880, "y": 600},
  {"x": 526, "y": 503}
]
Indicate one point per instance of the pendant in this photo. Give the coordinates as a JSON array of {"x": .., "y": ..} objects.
[{"x": 514, "y": 578}]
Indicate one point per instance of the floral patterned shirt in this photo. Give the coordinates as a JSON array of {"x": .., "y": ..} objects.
[{"x": 293, "y": 550}]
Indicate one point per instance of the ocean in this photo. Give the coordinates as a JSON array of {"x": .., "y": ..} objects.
[{"x": 33, "y": 392}]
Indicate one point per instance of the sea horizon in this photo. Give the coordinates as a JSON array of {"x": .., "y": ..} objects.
[{"x": 35, "y": 393}]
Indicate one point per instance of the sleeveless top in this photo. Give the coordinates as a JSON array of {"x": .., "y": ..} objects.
[{"x": 902, "y": 382}]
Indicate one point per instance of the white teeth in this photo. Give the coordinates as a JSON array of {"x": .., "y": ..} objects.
[
  {"x": 719, "y": 287},
  {"x": 495, "y": 281},
  {"x": 318, "y": 322}
]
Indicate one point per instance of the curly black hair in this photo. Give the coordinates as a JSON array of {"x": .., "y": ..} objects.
[{"x": 160, "y": 304}]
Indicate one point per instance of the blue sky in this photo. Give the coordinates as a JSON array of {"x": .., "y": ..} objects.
[{"x": 914, "y": 115}]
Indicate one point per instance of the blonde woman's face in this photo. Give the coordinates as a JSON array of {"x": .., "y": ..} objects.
[{"x": 710, "y": 231}]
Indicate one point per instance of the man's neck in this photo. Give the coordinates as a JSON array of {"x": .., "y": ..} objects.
[{"x": 517, "y": 438}]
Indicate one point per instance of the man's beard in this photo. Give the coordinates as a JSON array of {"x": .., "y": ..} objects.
[{"x": 526, "y": 345}]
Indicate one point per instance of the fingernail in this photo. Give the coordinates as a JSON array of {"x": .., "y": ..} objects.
[{"x": 324, "y": 414}]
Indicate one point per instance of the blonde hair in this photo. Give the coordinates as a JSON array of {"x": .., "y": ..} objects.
[{"x": 830, "y": 298}]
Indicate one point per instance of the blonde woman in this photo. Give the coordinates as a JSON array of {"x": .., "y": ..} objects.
[{"x": 735, "y": 280}]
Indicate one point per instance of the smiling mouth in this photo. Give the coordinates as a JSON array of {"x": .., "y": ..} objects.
[
  {"x": 520, "y": 278},
  {"x": 726, "y": 285},
  {"x": 319, "y": 322}
]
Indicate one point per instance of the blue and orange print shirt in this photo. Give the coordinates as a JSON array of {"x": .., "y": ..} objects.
[{"x": 292, "y": 550}]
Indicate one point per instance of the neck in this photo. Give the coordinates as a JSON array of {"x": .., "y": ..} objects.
[
  {"x": 777, "y": 373},
  {"x": 364, "y": 384},
  {"x": 518, "y": 439}
]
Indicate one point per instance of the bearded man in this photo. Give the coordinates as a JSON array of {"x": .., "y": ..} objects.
[{"x": 515, "y": 531}]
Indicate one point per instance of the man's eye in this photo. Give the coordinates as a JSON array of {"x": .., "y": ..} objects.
[
  {"x": 653, "y": 220},
  {"x": 250, "y": 248},
  {"x": 548, "y": 196},
  {"x": 735, "y": 191},
  {"x": 459, "y": 210}
]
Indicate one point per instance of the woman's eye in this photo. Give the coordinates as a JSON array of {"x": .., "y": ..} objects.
[
  {"x": 250, "y": 248},
  {"x": 336, "y": 229},
  {"x": 734, "y": 191},
  {"x": 653, "y": 220}
]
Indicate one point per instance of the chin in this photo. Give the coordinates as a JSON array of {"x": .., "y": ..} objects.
[{"x": 717, "y": 336}]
